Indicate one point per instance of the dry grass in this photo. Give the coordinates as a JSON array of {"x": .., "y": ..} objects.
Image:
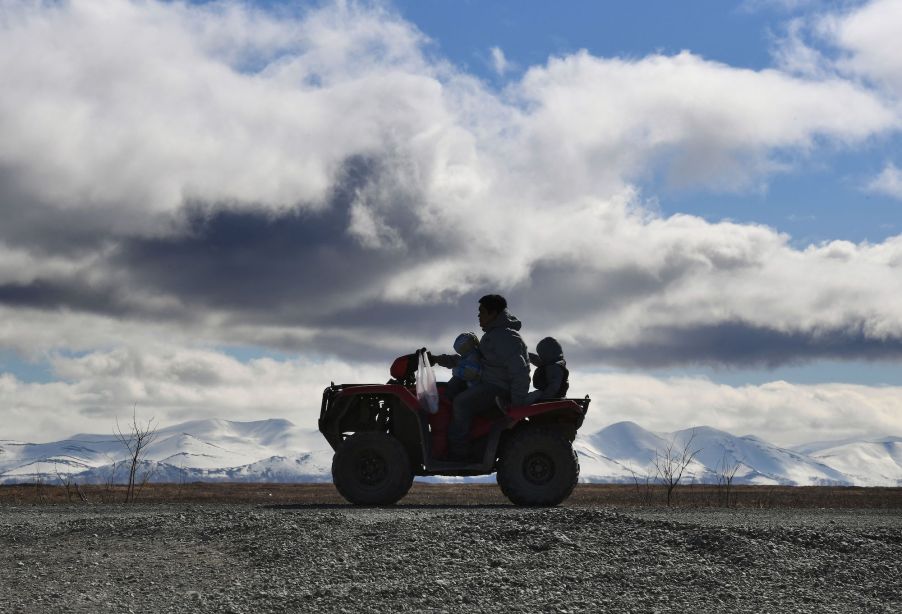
[{"x": 468, "y": 494}]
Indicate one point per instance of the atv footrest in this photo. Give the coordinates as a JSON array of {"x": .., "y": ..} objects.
[{"x": 442, "y": 466}]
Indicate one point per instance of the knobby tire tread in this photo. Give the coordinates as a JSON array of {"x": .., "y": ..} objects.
[
  {"x": 509, "y": 477},
  {"x": 401, "y": 475}
]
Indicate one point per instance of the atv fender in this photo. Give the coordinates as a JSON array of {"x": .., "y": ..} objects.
[{"x": 370, "y": 407}]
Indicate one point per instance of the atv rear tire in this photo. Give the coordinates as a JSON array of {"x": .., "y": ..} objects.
[
  {"x": 537, "y": 466},
  {"x": 371, "y": 468}
]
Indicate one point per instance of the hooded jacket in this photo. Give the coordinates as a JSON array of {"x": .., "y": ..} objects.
[
  {"x": 505, "y": 362},
  {"x": 469, "y": 367},
  {"x": 551, "y": 377}
]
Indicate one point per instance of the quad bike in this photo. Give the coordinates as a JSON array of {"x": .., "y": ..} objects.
[{"x": 382, "y": 438}]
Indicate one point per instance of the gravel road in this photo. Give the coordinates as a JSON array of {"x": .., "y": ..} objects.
[{"x": 334, "y": 558}]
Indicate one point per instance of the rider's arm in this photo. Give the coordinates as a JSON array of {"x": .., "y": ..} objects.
[{"x": 449, "y": 361}]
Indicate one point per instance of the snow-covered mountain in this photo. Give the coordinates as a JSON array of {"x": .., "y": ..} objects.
[
  {"x": 868, "y": 462},
  {"x": 625, "y": 451},
  {"x": 279, "y": 451},
  {"x": 208, "y": 450}
]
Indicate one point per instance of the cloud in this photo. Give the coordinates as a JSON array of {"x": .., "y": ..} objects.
[
  {"x": 174, "y": 384},
  {"x": 499, "y": 62},
  {"x": 145, "y": 106},
  {"x": 857, "y": 41},
  {"x": 888, "y": 182},
  {"x": 659, "y": 293},
  {"x": 867, "y": 35},
  {"x": 743, "y": 343},
  {"x": 780, "y": 412},
  {"x": 796, "y": 55},
  {"x": 317, "y": 182},
  {"x": 704, "y": 122}
]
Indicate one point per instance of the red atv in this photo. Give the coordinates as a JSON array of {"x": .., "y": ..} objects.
[{"x": 382, "y": 438}]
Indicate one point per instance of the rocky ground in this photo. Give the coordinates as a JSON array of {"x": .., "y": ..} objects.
[{"x": 217, "y": 557}]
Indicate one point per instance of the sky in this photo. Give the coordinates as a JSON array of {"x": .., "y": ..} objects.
[{"x": 214, "y": 209}]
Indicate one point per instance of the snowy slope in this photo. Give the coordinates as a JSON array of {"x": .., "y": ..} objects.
[
  {"x": 265, "y": 450},
  {"x": 279, "y": 451},
  {"x": 617, "y": 453},
  {"x": 869, "y": 462},
  {"x": 756, "y": 461},
  {"x": 624, "y": 451}
]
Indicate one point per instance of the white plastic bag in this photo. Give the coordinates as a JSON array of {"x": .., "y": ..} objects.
[{"x": 427, "y": 391}]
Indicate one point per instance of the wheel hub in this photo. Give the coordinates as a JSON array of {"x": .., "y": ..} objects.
[
  {"x": 371, "y": 467},
  {"x": 538, "y": 468}
]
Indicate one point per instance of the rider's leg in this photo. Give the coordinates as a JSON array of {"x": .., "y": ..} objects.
[
  {"x": 454, "y": 387},
  {"x": 475, "y": 400}
]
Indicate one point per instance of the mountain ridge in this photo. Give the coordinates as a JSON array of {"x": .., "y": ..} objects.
[{"x": 277, "y": 450}]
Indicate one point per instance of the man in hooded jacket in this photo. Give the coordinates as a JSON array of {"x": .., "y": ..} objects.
[{"x": 505, "y": 371}]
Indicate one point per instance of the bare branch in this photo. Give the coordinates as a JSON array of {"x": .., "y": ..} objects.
[
  {"x": 66, "y": 481},
  {"x": 642, "y": 483},
  {"x": 136, "y": 440},
  {"x": 726, "y": 472},
  {"x": 671, "y": 463}
]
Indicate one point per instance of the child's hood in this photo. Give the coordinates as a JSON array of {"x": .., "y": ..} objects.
[
  {"x": 550, "y": 351},
  {"x": 466, "y": 343}
]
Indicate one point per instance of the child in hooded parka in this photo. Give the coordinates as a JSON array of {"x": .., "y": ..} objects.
[
  {"x": 466, "y": 365},
  {"x": 551, "y": 377}
]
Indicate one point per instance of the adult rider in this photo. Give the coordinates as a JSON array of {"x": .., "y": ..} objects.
[{"x": 505, "y": 371}]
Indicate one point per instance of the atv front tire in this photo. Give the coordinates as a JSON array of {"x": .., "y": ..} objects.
[
  {"x": 371, "y": 468},
  {"x": 537, "y": 466}
]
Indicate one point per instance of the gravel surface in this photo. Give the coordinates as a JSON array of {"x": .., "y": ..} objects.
[{"x": 251, "y": 558}]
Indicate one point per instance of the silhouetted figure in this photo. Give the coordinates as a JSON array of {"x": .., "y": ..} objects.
[
  {"x": 505, "y": 371},
  {"x": 465, "y": 365},
  {"x": 551, "y": 377}
]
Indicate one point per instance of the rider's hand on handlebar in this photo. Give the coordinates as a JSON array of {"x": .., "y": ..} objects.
[{"x": 428, "y": 355}]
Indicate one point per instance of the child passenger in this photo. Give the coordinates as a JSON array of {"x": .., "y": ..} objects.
[
  {"x": 551, "y": 377},
  {"x": 466, "y": 365}
]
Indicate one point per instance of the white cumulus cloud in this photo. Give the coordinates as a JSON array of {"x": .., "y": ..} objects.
[
  {"x": 888, "y": 182},
  {"x": 868, "y": 35},
  {"x": 314, "y": 181}
]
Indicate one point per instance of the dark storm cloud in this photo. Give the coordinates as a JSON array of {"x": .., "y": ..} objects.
[
  {"x": 299, "y": 267},
  {"x": 556, "y": 294},
  {"x": 251, "y": 262},
  {"x": 80, "y": 295},
  {"x": 300, "y": 280},
  {"x": 43, "y": 294},
  {"x": 742, "y": 344},
  {"x": 303, "y": 268},
  {"x": 66, "y": 229}
]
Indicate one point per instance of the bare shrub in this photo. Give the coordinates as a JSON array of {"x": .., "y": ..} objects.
[
  {"x": 108, "y": 494},
  {"x": 40, "y": 494},
  {"x": 66, "y": 482},
  {"x": 726, "y": 472},
  {"x": 182, "y": 480},
  {"x": 81, "y": 494},
  {"x": 643, "y": 484},
  {"x": 671, "y": 463},
  {"x": 765, "y": 499},
  {"x": 136, "y": 440}
]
